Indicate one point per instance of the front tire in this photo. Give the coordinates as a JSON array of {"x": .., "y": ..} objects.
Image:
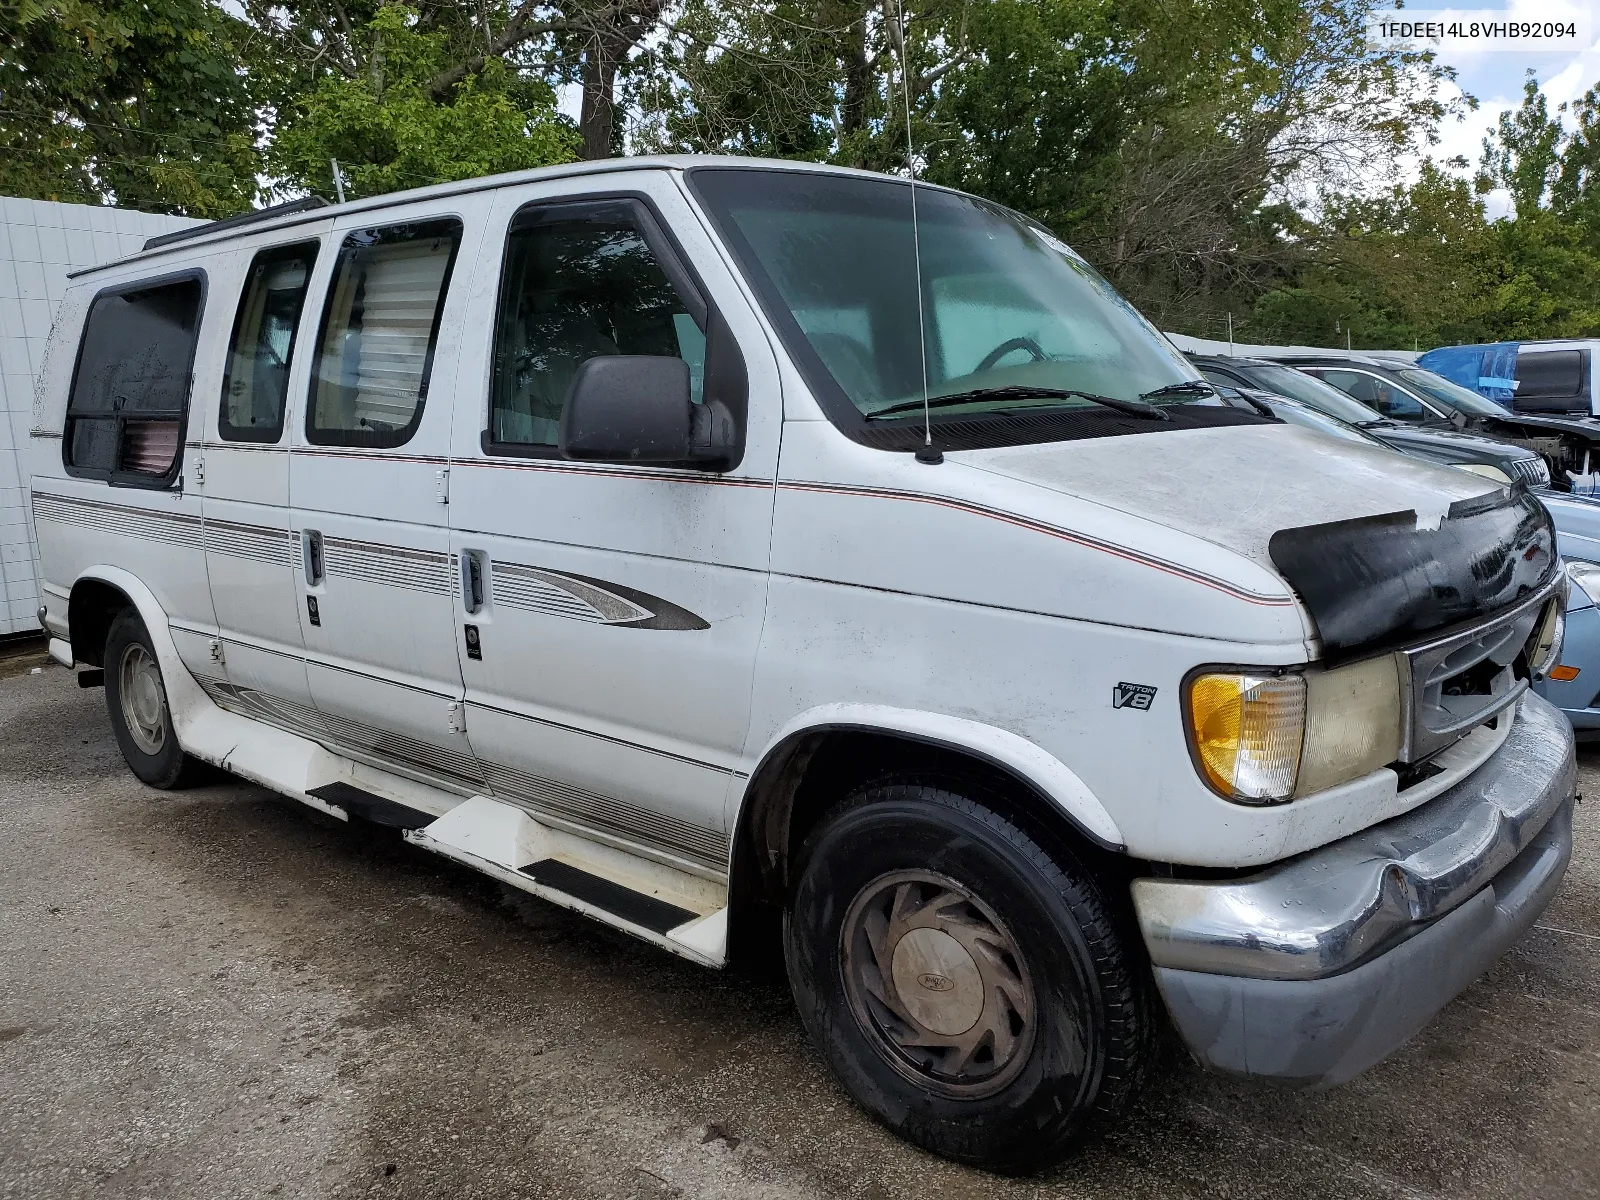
[
  {"x": 136, "y": 701},
  {"x": 967, "y": 988}
]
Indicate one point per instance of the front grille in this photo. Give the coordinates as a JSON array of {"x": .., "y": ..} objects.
[
  {"x": 1534, "y": 472},
  {"x": 1456, "y": 683}
]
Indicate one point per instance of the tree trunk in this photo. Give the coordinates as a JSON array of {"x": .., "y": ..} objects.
[
  {"x": 611, "y": 40},
  {"x": 598, "y": 115},
  {"x": 857, "y": 77}
]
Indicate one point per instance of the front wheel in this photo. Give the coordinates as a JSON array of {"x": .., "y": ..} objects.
[
  {"x": 136, "y": 701},
  {"x": 969, "y": 989}
]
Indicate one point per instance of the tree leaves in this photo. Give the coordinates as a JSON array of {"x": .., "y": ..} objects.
[
  {"x": 383, "y": 124},
  {"x": 140, "y": 103}
]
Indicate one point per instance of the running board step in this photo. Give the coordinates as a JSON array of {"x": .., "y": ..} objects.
[
  {"x": 369, "y": 806},
  {"x": 609, "y": 896},
  {"x": 680, "y": 911}
]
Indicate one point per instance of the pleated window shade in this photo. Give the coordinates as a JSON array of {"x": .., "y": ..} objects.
[
  {"x": 378, "y": 338},
  {"x": 149, "y": 447}
]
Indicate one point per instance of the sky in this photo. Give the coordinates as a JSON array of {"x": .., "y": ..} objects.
[{"x": 1495, "y": 77}]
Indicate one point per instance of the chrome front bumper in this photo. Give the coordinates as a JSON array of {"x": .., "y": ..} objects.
[{"x": 1315, "y": 969}]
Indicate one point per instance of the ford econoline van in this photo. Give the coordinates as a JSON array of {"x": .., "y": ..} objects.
[{"x": 694, "y": 541}]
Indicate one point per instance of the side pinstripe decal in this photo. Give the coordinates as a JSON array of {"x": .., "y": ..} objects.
[
  {"x": 583, "y": 598},
  {"x": 126, "y": 520},
  {"x": 394, "y": 566},
  {"x": 1035, "y": 526}
]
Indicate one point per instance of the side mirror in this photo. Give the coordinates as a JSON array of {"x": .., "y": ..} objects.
[{"x": 636, "y": 408}]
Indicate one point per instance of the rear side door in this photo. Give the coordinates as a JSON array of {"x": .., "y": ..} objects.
[
  {"x": 129, "y": 499},
  {"x": 610, "y": 613},
  {"x": 369, "y": 486},
  {"x": 251, "y": 556}
]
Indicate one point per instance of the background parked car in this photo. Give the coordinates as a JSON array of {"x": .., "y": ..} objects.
[
  {"x": 1451, "y": 447},
  {"x": 1529, "y": 377},
  {"x": 1293, "y": 412},
  {"x": 1573, "y": 684},
  {"x": 1569, "y": 444}
]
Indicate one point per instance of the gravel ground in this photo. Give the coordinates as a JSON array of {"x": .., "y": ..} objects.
[{"x": 221, "y": 993}]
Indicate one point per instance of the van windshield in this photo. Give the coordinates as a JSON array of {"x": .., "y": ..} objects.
[{"x": 1004, "y": 304}]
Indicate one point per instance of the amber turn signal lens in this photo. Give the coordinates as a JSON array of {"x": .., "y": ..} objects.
[
  {"x": 1563, "y": 673},
  {"x": 1247, "y": 732}
]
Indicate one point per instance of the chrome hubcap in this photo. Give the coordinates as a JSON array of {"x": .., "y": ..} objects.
[
  {"x": 937, "y": 982},
  {"x": 144, "y": 701}
]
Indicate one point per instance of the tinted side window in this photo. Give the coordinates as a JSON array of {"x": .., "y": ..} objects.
[
  {"x": 1550, "y": 373},
  {"x": 1378, "y": 393},
  {"x": 375, "y": 352},
  {"x": 1222, "y": 378},
  {"x": 257, "y": 379},
  {"x": 1352, "y": 383},
  {"x": 130, "y": 391},
  {"x": 577, "y": 283}
]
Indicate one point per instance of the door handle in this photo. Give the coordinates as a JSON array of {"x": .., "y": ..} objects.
[
  {"x": 472, "y": 571},
  {"x": 311, "y": 556}
]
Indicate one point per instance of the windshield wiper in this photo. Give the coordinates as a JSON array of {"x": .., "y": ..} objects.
[
  {"x": 1020, "y": 391},
  {"x": 1189, "y": 387}
]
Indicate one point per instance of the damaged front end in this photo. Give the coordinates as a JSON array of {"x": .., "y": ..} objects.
[{"x": 1315, "y": 968}]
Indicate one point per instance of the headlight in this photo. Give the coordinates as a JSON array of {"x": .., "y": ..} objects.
[
  {"x": 1246, "y": 732},
  {"x": 1585, "y": 576},
  {"x": 1264, "y": 739},
  {"x": 1484, "y": 469}
]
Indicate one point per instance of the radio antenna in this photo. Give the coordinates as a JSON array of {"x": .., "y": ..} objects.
[{"x": 927, "y": 452}]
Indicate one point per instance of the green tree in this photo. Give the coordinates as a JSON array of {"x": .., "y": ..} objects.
[
  {"x": 141, "y": 103},
  {"x": 384, "y": 124},
  {"x": 1413, "y": 266},
  {"x": 537, "y": 42},
  {"x": 1523, "y": 153}
]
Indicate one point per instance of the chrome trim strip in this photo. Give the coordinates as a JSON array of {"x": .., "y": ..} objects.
[{"x": 1333, "y": 908}]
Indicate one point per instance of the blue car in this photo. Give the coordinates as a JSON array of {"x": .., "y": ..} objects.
[{"x": 1573, "y": 684}]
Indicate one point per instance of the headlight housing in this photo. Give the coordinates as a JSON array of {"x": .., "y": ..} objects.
[
  {"x": 1544, "y": 647},
  {"x": 1263, "y": 737},
  {"x": 1585, "y": 576}
]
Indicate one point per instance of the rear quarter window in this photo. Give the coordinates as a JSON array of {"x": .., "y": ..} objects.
[
  {"x": 1555, "y": 374},
  {"x": 130, "y": 389}
]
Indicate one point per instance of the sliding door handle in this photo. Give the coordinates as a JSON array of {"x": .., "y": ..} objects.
[
  {"x": 472, "y": 572},
  {"x": 311, "y": 556}
]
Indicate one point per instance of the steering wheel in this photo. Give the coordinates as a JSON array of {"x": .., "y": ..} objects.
[{"x": 1006, "y": 347}]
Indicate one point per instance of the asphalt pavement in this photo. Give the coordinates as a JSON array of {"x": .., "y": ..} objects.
[{"x": 220, "y": 993}]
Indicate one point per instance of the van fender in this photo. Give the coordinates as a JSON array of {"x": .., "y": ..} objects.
[
  {"x": 185, "y": 699},
  {"x": 1039, "y": 769}
]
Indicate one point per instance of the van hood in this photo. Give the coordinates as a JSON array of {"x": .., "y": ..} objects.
[{"x": 1377, "y": 546}]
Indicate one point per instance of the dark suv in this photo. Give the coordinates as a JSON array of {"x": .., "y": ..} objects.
[
  {"x": 1441, "y": 444},
  {"x": 1570, "y": 445}
]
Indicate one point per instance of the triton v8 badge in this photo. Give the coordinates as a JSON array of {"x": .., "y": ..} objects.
[{"x": 1132, "y": 695}]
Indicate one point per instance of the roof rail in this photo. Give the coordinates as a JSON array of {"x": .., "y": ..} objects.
[{"x": 249, "y": 218}]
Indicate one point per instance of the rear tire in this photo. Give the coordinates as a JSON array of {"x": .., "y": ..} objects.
[
  {"x": 136, "y": 701},
  {"x": 969, "y": 989}
]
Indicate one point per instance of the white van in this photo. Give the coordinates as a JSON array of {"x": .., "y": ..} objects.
[{"x": 584, "y": 524}]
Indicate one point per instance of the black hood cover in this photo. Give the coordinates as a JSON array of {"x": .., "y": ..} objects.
[{"x": 1374, "y": 583}]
